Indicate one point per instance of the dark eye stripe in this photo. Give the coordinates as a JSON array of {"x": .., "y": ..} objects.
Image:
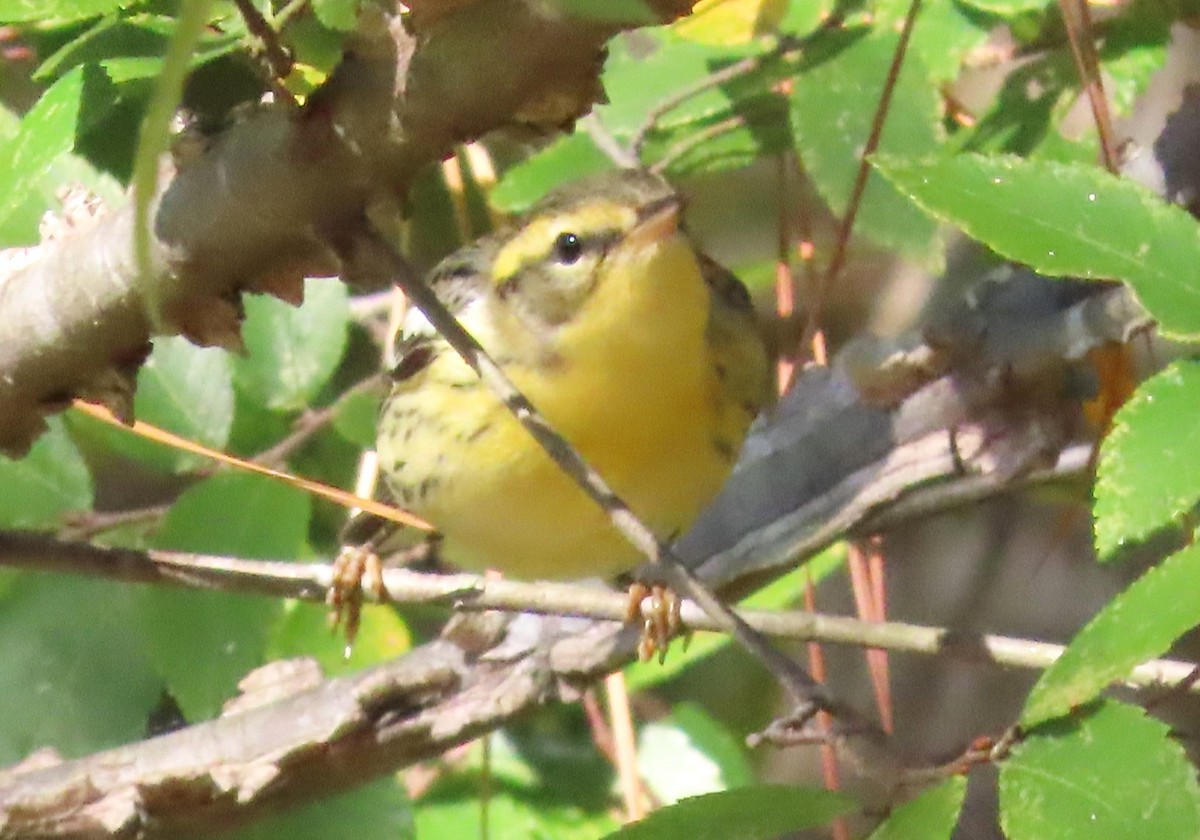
[{"x": 594, "y": 242}]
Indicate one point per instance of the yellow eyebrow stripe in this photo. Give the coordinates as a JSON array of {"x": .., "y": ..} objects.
[{"x": 533, "y": 241}]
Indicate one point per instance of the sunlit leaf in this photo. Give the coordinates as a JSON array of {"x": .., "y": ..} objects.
[
  {"x": 1112, "y": 772},
  {"x": 1066, "y": 219},
  {"x": 1139, "y": 624},
  {"x": 1146, "y": 480}
]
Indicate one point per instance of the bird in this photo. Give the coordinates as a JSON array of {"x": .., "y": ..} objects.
[{"x": 641, "y": 351}]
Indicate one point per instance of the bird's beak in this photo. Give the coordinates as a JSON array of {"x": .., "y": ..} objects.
[{"x": 657, "y": 221}]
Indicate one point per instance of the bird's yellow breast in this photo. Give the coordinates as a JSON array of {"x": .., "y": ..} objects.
[{"x": 632, "y": 383}]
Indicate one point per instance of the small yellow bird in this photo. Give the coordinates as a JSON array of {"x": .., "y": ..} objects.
[{"x": 640, "y": 351}]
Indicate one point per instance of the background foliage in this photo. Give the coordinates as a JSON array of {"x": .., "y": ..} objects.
[{"x": 734, "y": 89}]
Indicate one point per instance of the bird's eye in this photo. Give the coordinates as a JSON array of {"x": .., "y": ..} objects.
[{"x": 568, "y": 248}]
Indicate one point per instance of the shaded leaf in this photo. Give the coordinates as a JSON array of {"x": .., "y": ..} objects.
[
  {"x": 1134, "y": 49},
  {"x": 52, "y": 479},
  {"x": 639, "y": 81},
  {"x": 184, "y": 389},
  {"x": 1066, "y": 219},
  {"x": 931, "y": 815},
  {"x": 130, "y": 48},
  {"x": 452, "y": 810},
  {"x": 690, "y": 753},
  {"x": 74, "y": 672},
  {"x": 293, "y": 350},
  {"x": 1007, "y": 8},
  {"x": 1146, "y": 480},
  {"x": 1113, "y": 773},
  {"x": 378, "y": 811},
  {"x": 58, "y": 11},
  {"x": 1139, "y": 624},
  {"x": 833, "y": 106},
  {"x": 204, "y": 642},
  {"x": 357, "y": 416},
  {"x": 750, "y": 813},
  {"x": 303, "y": 630},
  {"x": 943, "y": 36},
  {"x": 340, "y": 15}
]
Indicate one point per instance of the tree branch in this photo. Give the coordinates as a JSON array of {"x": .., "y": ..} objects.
[
  {"x": 254, "y": 208},
  {"x": 469, "y": 592}
]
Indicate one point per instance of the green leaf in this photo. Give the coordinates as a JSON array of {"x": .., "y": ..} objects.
[
  {"x": 204, "y": 642},
  {"x": 356, "y": 418},
  {"x": 1112, "y": 773},
  {"x": 550, "y": 758},
  {"x": 47, "y": 131},
  {"x": 1066, "y": 219},
  {"x": 131, "y": 48},
  {"x": 21, "y": 227},
  {"x": 930, "y": 816},
  {"x": 640, "y": 75},
  {"x": 566, "y": 159},
  {"x": 453, "y": 809},
  {"x": 184, "y": 389},
  {"x": 1007, "y": 8},
  {"x": 378, "y": 811},
  {"x": 1027, "y": 112},
  {"x": 293, "y": 350},
  {"x": 74, "y": 673},
  {"x": 58, "y": 11},
  {"x": 340, "y": 15},
  {"x": 943, "y": 36},
  {"x": 1146, "y": 480},
  {"x": 689, "y": 753},
  {"x": 833, "y": 106},
  {"x": 761, "y": 129},
  {"x": 715, "y": 127},
  {"x": 52, "y": 479},
  {"x": 750, "y": 813},
  {"x": 731, "y": 22},
  {"x": 1139, "y": 624}
]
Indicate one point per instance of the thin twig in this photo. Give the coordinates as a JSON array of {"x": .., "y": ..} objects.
[
  {"x": 712, "y": 80},
  {"x": 309, "y": 582},
  {"x": 87, "y": 524},
  {"x": 842, "y": 242},
  {"x": 786, "y": 48},
  {"x": 695, "y": 139},
  {"x": 599, "y": 134},
  {"x": 1077, "y": 20},
  {"x": 309, "y": 423},
  {"x": 316, "y": 488},
  {"x": 279, "y": 58}
]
